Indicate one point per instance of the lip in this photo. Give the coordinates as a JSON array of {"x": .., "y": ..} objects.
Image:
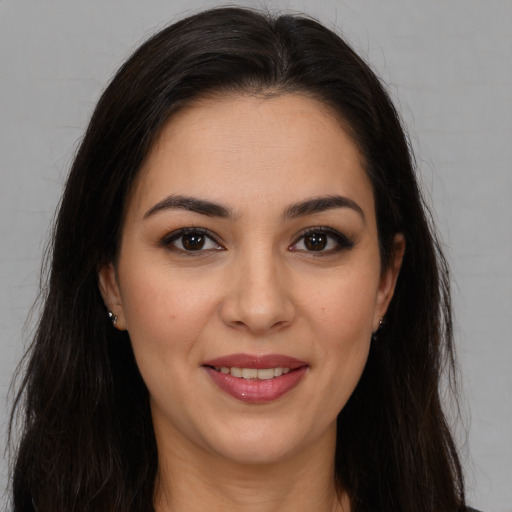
[
  {"x": 256, "y": 391},
  {"x": 256, "y": 361}
]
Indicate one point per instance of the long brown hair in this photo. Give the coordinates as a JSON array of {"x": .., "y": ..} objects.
[{"x": 87, "y": 441}]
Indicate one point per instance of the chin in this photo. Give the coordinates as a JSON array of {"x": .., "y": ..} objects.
[
  {"x": 256, "y": 453},
  {"x": 264, "y": 444}
]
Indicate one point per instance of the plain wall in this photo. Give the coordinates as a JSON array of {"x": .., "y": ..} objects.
[{"x": 449, "y": 68}]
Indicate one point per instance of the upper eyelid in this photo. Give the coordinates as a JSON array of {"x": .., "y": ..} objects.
[
  {"x": 321, "y": 229},
  {"x": 174, "y": 235}
]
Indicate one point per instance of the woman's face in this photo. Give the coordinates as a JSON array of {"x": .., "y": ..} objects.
[{"x": 249, "y": 277}]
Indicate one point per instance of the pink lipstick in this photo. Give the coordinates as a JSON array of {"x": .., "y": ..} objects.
[{"x": 253, "y": 378}]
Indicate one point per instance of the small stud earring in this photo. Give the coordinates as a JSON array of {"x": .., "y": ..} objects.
[
  {"x": 113, "y": 318},
  {"x": 375, "y": 333}
]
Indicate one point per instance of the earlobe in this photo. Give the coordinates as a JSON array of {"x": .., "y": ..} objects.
[
  {"x": 388, "y": 280},
  {"x": 109, "y": 290}
]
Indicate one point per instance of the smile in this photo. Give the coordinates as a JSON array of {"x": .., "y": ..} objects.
[
  {"x": 256, "y": 378},
  {"x": 253, "y": 373}
]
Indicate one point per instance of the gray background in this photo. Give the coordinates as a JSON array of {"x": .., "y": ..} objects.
[{"x": 449, "y": 68}]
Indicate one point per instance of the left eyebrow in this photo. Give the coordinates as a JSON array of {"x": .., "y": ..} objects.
[{"x": 321, "y": 204}]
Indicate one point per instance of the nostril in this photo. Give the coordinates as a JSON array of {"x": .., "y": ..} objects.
[
  {"x": 281, "y": 323},
  {"x": 240, "y": 324}
]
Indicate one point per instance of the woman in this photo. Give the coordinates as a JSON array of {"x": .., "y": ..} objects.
[{"x": 247, "y": 307}]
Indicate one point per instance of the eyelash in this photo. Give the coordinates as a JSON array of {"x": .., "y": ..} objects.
[
  {"x": 342, "y": 241},
  {"x": 169, "y": 240}
]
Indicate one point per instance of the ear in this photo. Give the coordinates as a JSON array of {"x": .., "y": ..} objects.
[
  {"x": 109, "y": 289},
  {"x": 388, "y": 280}
]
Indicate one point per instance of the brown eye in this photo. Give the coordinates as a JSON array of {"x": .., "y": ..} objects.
[
  {"x": 316, "y": 241},
  {"x": 193, "y": 241},
  {"x": 322, "y": 240},
  {"x": 190, "y": 240}
]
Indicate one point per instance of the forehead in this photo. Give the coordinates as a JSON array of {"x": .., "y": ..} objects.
[{"x": 252, "y": 151}]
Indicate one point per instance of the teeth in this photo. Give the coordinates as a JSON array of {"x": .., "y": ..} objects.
[
  {"x": 237, "y": 372},
  {"x": 249, "y": 373},
  {"x": 253, "y": 373},
  {"x": 266, "y": 373}
]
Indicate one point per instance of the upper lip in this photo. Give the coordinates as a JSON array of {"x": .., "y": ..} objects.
[{"x": 256, "y": 361}]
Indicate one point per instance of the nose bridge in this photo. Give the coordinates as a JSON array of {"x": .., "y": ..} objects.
[{"x": 259, "y": 297}]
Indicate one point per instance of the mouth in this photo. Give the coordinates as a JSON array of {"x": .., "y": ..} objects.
[
  {"x": 253, "y": 373},
  {"x": 256, "y": 378}
]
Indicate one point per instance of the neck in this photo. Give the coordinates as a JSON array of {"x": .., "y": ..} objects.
[{"x": 192, "y": 480}]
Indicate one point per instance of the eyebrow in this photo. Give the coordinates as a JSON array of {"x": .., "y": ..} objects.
[
  {"x": 192, "y": 204},
  {"x": 210, "y": 209},
  {"x": 321, "y": 204}
]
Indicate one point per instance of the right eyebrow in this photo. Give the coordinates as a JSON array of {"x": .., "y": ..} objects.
[{"x": 192, "y": 204}]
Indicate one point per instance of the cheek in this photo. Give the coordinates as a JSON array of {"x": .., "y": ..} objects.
[
  {"x": 165, "y": 317},
  {"x": 344, "y": 329},
  {"x": 341, "y": 316},
  {"x": 164, "y": 313},
  {"x": 344, "y": 308}
]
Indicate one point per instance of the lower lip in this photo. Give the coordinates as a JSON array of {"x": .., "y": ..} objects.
[{"x": 253, "y": 390}]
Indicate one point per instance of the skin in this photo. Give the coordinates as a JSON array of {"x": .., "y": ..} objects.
[{"x": 256, "y": 288}]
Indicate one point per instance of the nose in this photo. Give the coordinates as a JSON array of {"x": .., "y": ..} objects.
[{"x": 259, "y": 298}]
